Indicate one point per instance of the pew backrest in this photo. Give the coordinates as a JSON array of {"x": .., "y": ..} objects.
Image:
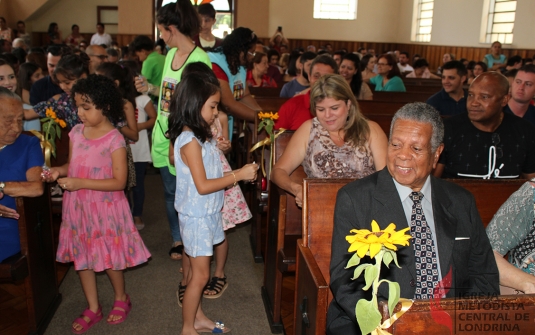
[{"x": 319, "y": 199}]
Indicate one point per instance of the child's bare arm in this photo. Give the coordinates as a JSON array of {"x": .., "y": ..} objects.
[
  {"x": 151, "y": 117},
  {"x": 192, "y": 157},
  {"x": 116, "y": 183}
]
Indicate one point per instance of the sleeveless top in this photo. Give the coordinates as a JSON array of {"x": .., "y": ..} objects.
[{"x": 324, "y": 159}]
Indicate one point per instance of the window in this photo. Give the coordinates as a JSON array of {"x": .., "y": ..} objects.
[
  {"x": 335, "y": 9},
  {"x": 500, "y": 21},
  {"x": 223, "y": 18},
  {"x": 423, "y": 20}
]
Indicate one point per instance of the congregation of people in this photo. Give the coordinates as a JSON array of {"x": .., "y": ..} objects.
[{"x": 127, "y": 109}]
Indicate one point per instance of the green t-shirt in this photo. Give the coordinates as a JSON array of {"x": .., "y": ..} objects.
[
  {"x": 152, "y": 68},
  {"x": 170, "y": 79}
]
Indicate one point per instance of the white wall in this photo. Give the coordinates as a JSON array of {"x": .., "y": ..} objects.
[
  {"x": 377, "y": 21},
  {"x": 455, "y": 22},
  {"x": 68, "y": 12}
]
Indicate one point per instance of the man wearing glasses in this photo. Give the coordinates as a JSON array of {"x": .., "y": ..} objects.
[
  {"x": 487, "y": 143},
  {"x": 97, "y": 55}
]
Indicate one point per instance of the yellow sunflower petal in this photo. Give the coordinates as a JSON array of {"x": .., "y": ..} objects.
[
  {"x": 355, "y": 246},
  {"x": 363, "y": 250},
  {"x": 390, "y": 246},
  {"x": 391, "y": 228},
  {"x": 375, "y": 227},
  {"x": 374, "y": 249}
]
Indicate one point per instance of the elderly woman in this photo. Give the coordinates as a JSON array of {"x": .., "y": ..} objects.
[
  {"x": 257, "y": 76},
  {"x": 389, "y": 77},
  {"x": 512, "y": 230},
  {"x": 339, "y": 142},
  {"x": 21, "y": 159}
]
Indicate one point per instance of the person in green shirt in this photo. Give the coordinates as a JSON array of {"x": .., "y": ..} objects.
[{"x": 153, "y": 63}]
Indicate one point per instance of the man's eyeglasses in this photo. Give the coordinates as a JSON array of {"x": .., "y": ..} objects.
[
  {"x": 102, "y": 57},
  {"x": 495, "y": 142}
]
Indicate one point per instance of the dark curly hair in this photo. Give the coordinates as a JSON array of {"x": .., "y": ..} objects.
[
  {"x": 101, "y": 92},
  {"x": 239, "y": 42},
  {"x": 72, "y": 67},
  {"x": 182, "y": 15},
  {"x": 198, "y": 83}
]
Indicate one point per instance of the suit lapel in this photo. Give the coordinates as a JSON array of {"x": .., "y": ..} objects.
[{"x": 445, "y": 226}]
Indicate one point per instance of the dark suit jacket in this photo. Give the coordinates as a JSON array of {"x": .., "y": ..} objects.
[{"x": 375, "y": 197}]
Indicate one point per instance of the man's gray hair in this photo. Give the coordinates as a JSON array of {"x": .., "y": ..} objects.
[
  {"x": 423, "y": 113},
  {"x": 5, "y": 93}
]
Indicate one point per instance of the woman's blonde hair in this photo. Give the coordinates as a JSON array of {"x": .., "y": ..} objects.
[{"x": 335, "y": 86}]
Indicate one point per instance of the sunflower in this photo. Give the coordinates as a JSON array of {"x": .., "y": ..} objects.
[{"x": 372, "y": 241}]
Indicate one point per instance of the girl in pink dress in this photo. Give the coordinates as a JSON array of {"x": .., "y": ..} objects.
[
  {"x": 97, "y": 231},
  {"x": 234, "y": 210}
]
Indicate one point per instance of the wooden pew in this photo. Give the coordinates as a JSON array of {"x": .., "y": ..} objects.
[
  {"x": 312, "y": 295},
  {"x": 265, "y": 91},
  {"x": 29, "y": 293},
  {"x": 283, "y": 230},
  {"x": 402, "y": 96}
]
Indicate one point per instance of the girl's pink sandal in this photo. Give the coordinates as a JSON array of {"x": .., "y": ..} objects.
[
  {"x": 126, "y": 305},
  {"x": 93, "y": 319}
]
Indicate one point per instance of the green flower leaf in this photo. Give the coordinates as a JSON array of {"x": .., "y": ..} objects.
[
  {"x": 368, "y": 316},
  {"x": 388, "y": 257},
  {"x": 396, "y": 259},
  {"x": 353, "y": 261},
  {"x": 393, "y": 296},
  {"x": 359, "y": 270},
  {"x": 371, "y": 274}
]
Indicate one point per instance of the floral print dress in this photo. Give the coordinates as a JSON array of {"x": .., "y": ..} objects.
[
  {"x": 97, "y": 231},
  {"x": 324, "y": 159},
  {"x": 235, "y": 209}
]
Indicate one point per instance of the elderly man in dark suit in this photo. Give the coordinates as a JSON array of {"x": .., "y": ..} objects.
[{"x": 449, "y": 241}]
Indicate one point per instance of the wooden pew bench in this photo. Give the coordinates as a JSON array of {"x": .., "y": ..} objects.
[
  {"x": 29, "y": 293},
  {"x": 313, "y": 295},
  {"x": 265, "y": 91},
  {"x": 283, "y": 231},
  {"x": 401, "y": 96}
]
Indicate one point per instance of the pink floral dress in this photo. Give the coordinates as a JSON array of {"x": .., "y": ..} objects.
[
  {"x": 235, "y": 208},
  {"x": 97, "y": 231}
]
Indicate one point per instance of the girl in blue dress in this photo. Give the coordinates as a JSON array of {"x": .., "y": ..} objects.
[{"x": 200, "y": 185}]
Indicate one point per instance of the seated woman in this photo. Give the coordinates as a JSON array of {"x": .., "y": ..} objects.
[
  {"x": 21, "y": 160},
  {"x": 75, "y": 38},
  {"x": 367, "y": 66},
  {"x": 470, "y": 71},
  {"x": 257, "y": 75},
  {"x": 479, "y": 68},
  {"x": 389, "y": 77},
  {"x": 446, "y": 58},
  {"x": 421, "y": 70},
  {"x": 349, "y": 69},
  {"x": 54, "y": 35},
  {"x": 495, "y": 60},
  {"x": 339, "y": 142},
  {"x": 512, "y": 230}
]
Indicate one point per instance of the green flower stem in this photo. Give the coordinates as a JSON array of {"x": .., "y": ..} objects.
[{"x": 378, "y": 263}]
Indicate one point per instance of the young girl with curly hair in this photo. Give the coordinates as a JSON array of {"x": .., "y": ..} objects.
[{"x": 97, "y": 232}]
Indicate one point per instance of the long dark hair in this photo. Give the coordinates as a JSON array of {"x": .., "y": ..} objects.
[
  {"x": 24, "y": 80},
  {"x": 198, "y": 83},
  {"x": 125, "y": 78},
  {"x": 356, "y": 81},
  {"x": 72, "y": 67},
  {"x": 182, "y": 15},
  {"x": 239, "y": 42}
]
